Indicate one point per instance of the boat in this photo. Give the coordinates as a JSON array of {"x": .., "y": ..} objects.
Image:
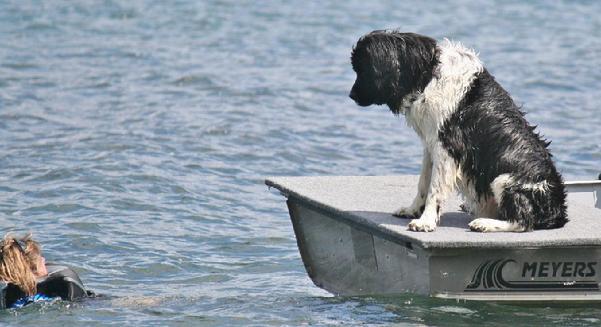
[{"x": 351, "y": 244}]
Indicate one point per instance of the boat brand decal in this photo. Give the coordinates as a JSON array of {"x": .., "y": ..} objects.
[{"x": 536, "y": 276}]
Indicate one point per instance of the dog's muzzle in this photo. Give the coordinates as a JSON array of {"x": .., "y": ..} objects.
[{"x": 353, "y": 95}]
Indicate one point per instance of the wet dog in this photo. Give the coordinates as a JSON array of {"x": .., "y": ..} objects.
[{"x": 475, "y": 139}]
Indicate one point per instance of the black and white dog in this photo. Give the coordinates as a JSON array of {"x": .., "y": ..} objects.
[{"x": 475, "y": 138}]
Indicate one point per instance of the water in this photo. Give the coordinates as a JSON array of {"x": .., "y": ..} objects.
[{"x": 135, "y": 137}]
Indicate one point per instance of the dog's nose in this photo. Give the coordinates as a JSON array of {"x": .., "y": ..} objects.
[{"x": 353, "y": 95}]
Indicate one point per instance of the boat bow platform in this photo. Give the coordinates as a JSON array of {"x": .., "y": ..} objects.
[{"x": 350, "y": 244}]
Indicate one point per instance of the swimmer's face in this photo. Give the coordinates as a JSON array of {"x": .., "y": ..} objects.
[{"x": 41, "y": 270}]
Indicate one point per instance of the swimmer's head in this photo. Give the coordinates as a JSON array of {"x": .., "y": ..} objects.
[{"x": 15, "y": 267}]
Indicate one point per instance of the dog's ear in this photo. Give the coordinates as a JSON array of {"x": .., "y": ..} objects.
[{"x": 418, "y": 57}]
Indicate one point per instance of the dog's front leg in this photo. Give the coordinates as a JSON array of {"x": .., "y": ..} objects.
[
  {"x": 442, "y": 184},
  {"x": 417, "y": 206}
]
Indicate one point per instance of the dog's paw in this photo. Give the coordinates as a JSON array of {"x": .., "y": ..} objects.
[
  {"x": 488, "y": 225},
  {"x": 422, "y": 225},
  {"x": 481, "y": 225},
  {"x": 408, "y": 212}
]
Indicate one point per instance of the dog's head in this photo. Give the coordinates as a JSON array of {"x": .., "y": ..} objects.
[{"x": 391, "y": 65}]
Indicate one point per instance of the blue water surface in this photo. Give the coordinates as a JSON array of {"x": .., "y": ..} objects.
[{"x": 135, "y": 137}]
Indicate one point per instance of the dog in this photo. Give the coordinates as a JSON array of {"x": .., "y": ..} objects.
[{"x": 475, "y": 139}]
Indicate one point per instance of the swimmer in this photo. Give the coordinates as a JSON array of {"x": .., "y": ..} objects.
[{"x": 22, "y": 267}]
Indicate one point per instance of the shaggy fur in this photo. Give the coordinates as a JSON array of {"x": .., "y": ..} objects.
[{"x": 475, "y": 139}]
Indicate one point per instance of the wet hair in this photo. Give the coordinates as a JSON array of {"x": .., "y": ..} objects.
[{"x": 15, "y": 268}]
